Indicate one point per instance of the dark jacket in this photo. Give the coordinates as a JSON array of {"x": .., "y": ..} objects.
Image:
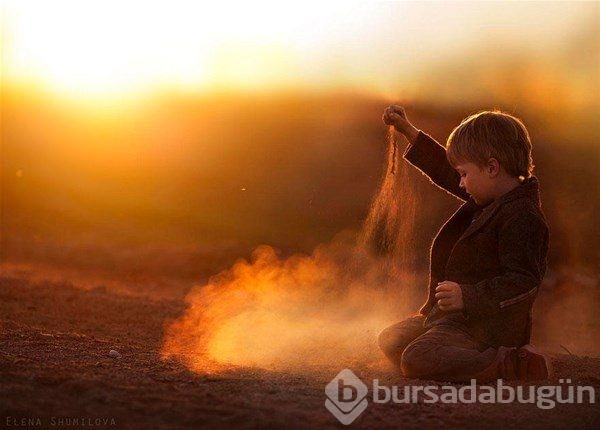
[{"x": 497, "y": 254}]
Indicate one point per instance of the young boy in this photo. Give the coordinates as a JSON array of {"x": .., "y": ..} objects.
[{"x": 487, "y": 261}]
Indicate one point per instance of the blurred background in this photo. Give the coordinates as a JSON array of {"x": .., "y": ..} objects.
[{"x": 172, "y": 138}]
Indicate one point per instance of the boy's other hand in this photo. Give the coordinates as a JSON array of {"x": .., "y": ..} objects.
[
  {"x": 396, "y": 116},
  {"x": 449, "y": 296}
]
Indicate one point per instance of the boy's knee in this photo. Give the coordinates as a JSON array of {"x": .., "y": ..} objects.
[
  {"x": 418, "y": 360},
  {"x": 395, "y": 338},
  {"x": 387, "y": 339}
]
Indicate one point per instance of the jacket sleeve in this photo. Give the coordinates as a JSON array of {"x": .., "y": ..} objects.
[
  {"x": 430, "y": 158},
  {"x": 522, "y": 250}
]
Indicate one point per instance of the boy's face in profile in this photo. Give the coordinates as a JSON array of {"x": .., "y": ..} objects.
[{"x": 476, "y": 181}]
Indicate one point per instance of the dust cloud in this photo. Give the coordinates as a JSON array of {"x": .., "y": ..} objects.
[{"x": 318, "y": 310}]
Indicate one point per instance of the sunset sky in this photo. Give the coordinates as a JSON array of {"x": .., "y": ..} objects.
[
  {"x": 104, "y": 48},
  {"x": 160, "y": 122}
]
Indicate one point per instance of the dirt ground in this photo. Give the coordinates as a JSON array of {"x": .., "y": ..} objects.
[{"x": 55, "y": 365}]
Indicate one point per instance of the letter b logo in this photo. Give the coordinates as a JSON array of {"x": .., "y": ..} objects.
[
  {"x": 349, "y": 392},
  {"x": 346, "y": 396}
]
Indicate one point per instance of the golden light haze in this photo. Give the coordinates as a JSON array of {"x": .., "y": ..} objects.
[
  {"x": 168, "y": 140},
  {"x": 112, "y": 47},
  {"x": 103, "y": 49}
]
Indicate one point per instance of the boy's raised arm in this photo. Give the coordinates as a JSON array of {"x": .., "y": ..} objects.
[{"x": 425, "y": 153}]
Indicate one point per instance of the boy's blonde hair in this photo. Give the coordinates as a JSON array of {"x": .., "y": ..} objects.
[{"x": 492, "y": 134}]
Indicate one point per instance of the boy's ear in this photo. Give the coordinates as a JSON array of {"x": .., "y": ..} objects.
[{"x": 492, "y": 167}]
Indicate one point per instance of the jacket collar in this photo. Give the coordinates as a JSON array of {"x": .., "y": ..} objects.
[{"x": 530, "y": 189}]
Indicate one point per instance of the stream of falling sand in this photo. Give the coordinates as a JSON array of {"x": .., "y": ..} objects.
[{"x": 389, "y": 227}]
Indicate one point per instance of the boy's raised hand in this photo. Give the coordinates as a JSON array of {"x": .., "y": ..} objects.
[
  {"x": 449, "y": 296},
  {"x": 396, "y": 115}
]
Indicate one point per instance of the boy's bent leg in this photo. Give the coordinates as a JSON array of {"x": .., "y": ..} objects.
[
  {"x": 449, "y": 354},
  {"x": 395, "y": 338}
]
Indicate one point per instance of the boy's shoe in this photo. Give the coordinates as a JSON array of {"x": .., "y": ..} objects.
[{"x": 530, "y": 365}]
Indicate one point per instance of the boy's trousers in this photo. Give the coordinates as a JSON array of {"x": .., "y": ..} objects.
[{"x": 442, "y": 352}]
